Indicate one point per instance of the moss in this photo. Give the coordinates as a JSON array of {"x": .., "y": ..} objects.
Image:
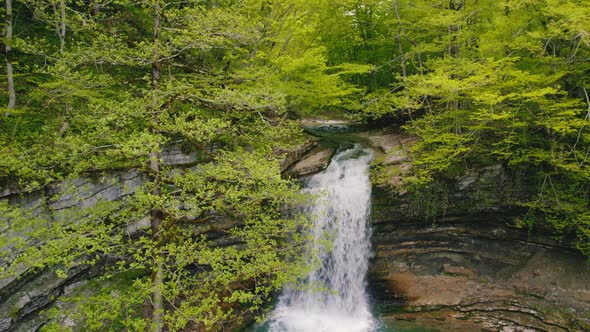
[{"x": 431, "y": 200}]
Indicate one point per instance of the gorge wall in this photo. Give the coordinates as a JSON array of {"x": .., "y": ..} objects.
[
  {"x": 451, "y": 259},
  {"x": 25, "y": 295}
]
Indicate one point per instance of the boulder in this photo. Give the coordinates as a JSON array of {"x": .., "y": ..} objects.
[
  {"x": 315, "y": 161},
  {"x": 294, "y": 155}
]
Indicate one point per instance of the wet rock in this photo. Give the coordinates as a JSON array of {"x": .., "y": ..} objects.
[
  {"x": 392, "y": 158},
  {"x": 467, "y": 180},
  {"x": 484, "y": 177},
  {"x": 315, "y": 161},
  {"x": 431, "y": 322},
  {"x": 134, "y": 226},
  {"x": 389, "y": 143},
  {"x": 9, "y": 190},
  {"x": 294, "y": 155},
  {"x": 458, "y": 270},
  {"x": 480, "y": 271},
  {"x": 583, "y": 295},
  {"x": 5, "y": 324},
  {"x": 328, "y": 126},
  {"x": 175, "y": 156},
  {"x": 86, "y": 192}
]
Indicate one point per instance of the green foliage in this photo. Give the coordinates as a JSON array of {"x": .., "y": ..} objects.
[
  {"x": 127, "y": 81},
  {"x": 483, "y": 82},
  {"x": 105, "y": 86},
  {"x": 208, "y": 283}
]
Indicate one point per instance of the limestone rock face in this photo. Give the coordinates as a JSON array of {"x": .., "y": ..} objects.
[
  {"x": 314, "y": 161},
  {"x": 392, "y": 156},
  {"x": 480, "y": 271},
  {"x": 392, "y": 147},
  {"x": 174, "y": 156},
  {"x": 295, "y": 155},
  {"x": 449, "y": 259},
  {"x": 24, "y": 295}
]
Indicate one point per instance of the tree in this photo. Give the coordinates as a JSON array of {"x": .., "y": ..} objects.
[
  {"x": 8, "y": 55},
  {"x": 502, "y": 83},
  {"x": 143, "y": 77}
]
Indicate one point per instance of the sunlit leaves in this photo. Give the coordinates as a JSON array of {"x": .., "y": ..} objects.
[
  {"x": 508, "y": 85},
  {"x": 229, "y": 74}
]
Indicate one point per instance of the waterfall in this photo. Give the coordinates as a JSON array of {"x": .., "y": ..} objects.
[{"x": 341, "y": 216}]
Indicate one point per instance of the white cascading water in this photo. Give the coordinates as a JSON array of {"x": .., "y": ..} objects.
[{"x": 341, "y": 213}]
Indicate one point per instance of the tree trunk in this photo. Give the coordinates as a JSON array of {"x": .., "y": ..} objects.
[
  {"x": 402, "y": 57},
  {"x": 61, "y": 29},
  {"x": 62, "y": 25},
  {"x": 453, "y": 45},
  {"x": 157, "y": 215},
  {"x": 399, "y": 42},
  {"x": 8, "y": 50},
  {"x": 96, "y": 8},
  {"x": 454, "y": 29},
  {"x": 156, "y": 224}
]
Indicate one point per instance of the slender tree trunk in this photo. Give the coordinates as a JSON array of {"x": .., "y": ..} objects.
[
  {"x": 156, "y": 214},
  {"x": 156, "y": 224},
  {"x": 402, "y": 57},
  {"x": 399, "y": 42},
  {"x": 454, "y": 30},
  {"x": 96, "y": 8},
  {"x": 401, "y": 52},
  {"x": 61, "y": 29},
  {"x": 454, "y": 48},
  {"x": 8, "y": 50}
]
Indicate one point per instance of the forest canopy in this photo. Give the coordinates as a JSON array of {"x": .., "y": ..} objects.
[{"x": 99, "y": 86}]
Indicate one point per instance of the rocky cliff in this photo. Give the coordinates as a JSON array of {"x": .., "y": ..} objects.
[
  {"x": 449, "y": 258},
  {"x": 24, "y": 295}
]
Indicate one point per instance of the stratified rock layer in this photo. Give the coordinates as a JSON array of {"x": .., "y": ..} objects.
[
  {"x": 450, "y": 259},
  {"x": 26, "y": 293},
  {"x": 480, "y": 270}
]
